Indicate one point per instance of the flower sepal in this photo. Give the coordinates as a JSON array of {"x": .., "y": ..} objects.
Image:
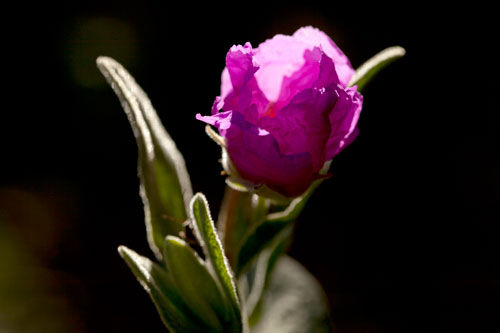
[
  {"x": 242, "y": 185},
  {"x": 370, "y": 68}
]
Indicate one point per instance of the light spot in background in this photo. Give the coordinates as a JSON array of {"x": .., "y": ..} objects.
[
  {"x": 32, "y": 296},
  {"x": 93, "y": 37}
]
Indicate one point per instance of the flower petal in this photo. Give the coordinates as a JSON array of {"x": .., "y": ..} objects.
[
  {"x": 241, "y": 69},
  {"x": 239, "y": 90},
  {"x": 226, "y": 85},
  {"x": 303, "y": 78},
  {"x": 221, "y": 120},
  {"x": 240, "y": 65},
  {"x": 343, "y": 120},
  {"x": 303, "y": 125},
  {"x": 316, "y": 37},
  {"x": 327, "y": 73},
  {"x": 257, "y": 157},
  {"x": 217, "y": 105},
  {"x": 278, "y": 58}
]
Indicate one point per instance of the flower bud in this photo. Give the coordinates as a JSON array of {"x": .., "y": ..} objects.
[{"x": 285, "y": 109}]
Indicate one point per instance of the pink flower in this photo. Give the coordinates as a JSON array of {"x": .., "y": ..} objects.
[{"x": 285, "y": 109}]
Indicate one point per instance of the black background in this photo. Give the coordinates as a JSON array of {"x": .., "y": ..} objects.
[{"x": 403, "y": 237}]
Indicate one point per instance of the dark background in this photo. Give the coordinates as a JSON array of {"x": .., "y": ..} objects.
[{"x": 403, "y": 237}]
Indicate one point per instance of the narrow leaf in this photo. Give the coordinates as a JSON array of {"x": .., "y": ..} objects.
[
  {"x": 196, "y": 285},
  {"x": 294, "y": 302},
  {"x": 175, "y": 314},
  {"x": 165, "y": 184},
  {"x": 207, "y": 237},
  {"x": 372, "y": 66}
]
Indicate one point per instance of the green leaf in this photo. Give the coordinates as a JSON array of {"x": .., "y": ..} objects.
[
  {"x": 165, "y": 184},
  {"x": 173, "y": 311},
  {"x": 255, "y": 279},
  {"x": 293, "y": 302},
  {"x": 196, "y": 285},
  {"x": 209, "y": 241},
  {"x": 372, "y": 66},
  {"x": 264, "y": 233}
]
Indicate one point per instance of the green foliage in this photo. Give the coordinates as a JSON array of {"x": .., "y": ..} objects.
[
  {"x": 293, "y": 302},
  {"x": 193, "y": 294},
  {"x": 366, "y": 72},
  {"x": 242, "y": 185},
  {"x": 262, "y": 235},
  {"x": 187, "y": 293},
  {"x": 212, "y": 248},
  {"x": 175, "y": 313},
  {"x": 239, "y": 212},
  {"x": 165, "y": 184},
  {"x": 254, "y": 281},
  {"x": 197, "y": 287}
]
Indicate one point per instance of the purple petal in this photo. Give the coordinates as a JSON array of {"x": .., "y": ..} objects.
[
  {"x": 226, "y": 85},
  {"x": 315, "y": 37},
  {"x": 257, "y": 157},
  {"x": 221, "y": 120},
  {"x": 240, "y": 65},
  {"x": 303, "y": 125},
  {"x": 278, "y": 58},
  {"x": 239, "y": 90},
  {"x": 217, "y": 105},
  {"x": 302, "y": 79},
  {"x": 327, "y": 73},
  {"x": 343, "y": 119}
]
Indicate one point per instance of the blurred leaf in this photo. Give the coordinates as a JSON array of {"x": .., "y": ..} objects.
[
  {"x": 256, "y": 277},
  {"x": 165, "y": 184},
  {"x": 263, "y": 234},
  {"x": 196, "y": 285},
  {"x": 294, "y": 302},
  {"x": 175, "y": 314},
  {"x": 207, "y": 237},
  {"x": 366, "y": 72}
]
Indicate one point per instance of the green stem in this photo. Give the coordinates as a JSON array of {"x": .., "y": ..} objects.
[{"x": 239, "y": 212}]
